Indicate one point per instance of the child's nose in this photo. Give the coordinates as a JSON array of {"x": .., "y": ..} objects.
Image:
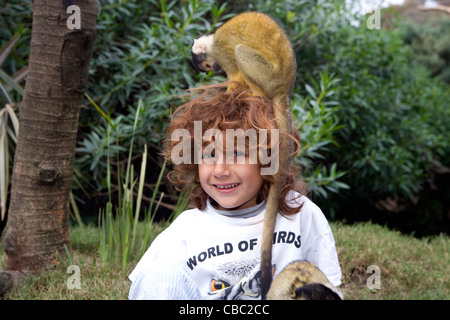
[{"x": 221, "y": 170}]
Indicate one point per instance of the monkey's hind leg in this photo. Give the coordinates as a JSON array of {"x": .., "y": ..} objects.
[
  {"x": 237, "y": 80},
  {"x": 256, "y": 68}
]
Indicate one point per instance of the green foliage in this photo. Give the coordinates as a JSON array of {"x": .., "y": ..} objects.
[
  {"x": 430, "y": 47},
  {"x": 384, "y": 135},
  {"x": 15, "y": 21},
  {"x": 142, "y": 53},
  {"x": 373, "y": 123},
  {"x": 389, "y": 141},
  {"x": 149, "y": 59},
  {"x": 314, "y": 117},
  {"x": 393, "y": 118},
  {"x": 118, "y": 224},
  {"x": 9, "y": 123}
]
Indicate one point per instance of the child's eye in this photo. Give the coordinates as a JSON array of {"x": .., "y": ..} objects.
[
  {"x": 236, "y": 157},
  {"x": 217, "y": 285},
  {"x": 208, "y": 155}
]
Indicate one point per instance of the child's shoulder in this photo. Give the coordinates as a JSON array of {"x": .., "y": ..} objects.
[
  {"x": 178, "y": 230},
  {"x": 186, "y": 220},
  {"x": 187, "y": 216},
  {"x": 309, "y": 210},
  {"x": 293, "y": 198}
]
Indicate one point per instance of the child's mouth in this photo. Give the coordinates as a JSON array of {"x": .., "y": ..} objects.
[{"x": 226, "y": 187}]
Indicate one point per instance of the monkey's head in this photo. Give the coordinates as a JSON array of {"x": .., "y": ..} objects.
[
  {"x": 315, "y": 291},
  {"x": 201, "y": 54}
]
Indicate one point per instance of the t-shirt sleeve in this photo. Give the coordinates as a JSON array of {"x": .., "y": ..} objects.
[
  {"x": 319, "y": 243},
  {"x": 323, "y": 254},
  {"x": 161, "y": 276},
  {"x": 163, "y": 282}
]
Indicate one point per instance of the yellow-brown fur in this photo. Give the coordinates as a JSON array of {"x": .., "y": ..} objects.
[
  {"x": 254, "y": 52},
  {"x": 302, "y": 280}
]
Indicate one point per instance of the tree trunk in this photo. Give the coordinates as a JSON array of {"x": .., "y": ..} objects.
[
  {"x": 439, "y": 8},
  {"x": 37, "y": 225}
]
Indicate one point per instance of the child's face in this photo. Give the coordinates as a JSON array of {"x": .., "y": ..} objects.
[{"x": 232, "y": 185}]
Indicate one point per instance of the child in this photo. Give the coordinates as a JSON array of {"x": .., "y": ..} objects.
[{"x": 213, "y": 251}]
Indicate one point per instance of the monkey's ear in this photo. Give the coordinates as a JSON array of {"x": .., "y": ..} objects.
[{"x": 316, "y": 291}]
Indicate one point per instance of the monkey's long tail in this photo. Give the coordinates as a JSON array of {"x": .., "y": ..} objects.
[
  {"x": 284, "y": 124},
  {"x": 268, "y": 230}
]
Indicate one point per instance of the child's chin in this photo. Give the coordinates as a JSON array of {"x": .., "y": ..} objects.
[{"x": 227, "y": 206}]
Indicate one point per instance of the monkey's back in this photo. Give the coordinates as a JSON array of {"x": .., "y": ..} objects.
[{"x": 260, "y": 32}]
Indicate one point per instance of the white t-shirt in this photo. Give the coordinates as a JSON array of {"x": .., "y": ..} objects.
[{"x": 206, "y": 255}]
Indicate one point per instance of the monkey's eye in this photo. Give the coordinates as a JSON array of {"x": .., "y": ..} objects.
[
  {"x": 217, "y": 69},
  {"x": 217, "y": 285}
]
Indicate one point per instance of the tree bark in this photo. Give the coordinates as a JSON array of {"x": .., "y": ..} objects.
[
  {"x": 37, "y": 226},
  {"x": 439, "y": 8}
]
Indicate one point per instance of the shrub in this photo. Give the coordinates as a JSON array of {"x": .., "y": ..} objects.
[
  {"x": 429, "y": 46},
  {"x": 370, "y": 117},
  {"x": 395, "y": 116},
  {"x": 149, "y": 59},
  {"x": 142, "y": 53}
]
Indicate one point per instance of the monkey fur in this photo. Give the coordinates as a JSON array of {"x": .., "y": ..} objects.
[
  {"x": 255, "y": 53},
  {"x": 302, "y": 280}
]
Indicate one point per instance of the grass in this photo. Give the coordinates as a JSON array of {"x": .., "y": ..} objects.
[
  {"x": 98, "y": 280},
  {"x": 410, "y": 268}
]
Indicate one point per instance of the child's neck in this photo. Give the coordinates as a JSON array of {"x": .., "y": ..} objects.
[{"x": 238, "y": 213}]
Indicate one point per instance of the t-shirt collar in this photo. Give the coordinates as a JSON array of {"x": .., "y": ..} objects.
[{"x": 239, "y": 213}]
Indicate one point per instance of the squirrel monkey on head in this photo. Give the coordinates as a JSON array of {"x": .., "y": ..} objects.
[{"x": 255, "y": 53}]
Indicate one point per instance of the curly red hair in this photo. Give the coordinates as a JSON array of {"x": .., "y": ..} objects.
[{"x": 220, "y": 109}]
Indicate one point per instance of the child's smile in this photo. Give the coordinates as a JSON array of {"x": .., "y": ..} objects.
[
  {"x": 226, "y": 187},
  {"x": 231, "y": 185}
]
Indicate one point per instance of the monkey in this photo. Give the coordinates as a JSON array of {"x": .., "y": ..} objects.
[
  {"x": 255, "y": 53},
  {"x": 302, "y": 280}
]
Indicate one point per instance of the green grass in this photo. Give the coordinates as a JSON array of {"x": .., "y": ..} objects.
[
  {"x": 410, "y": 268},
  {"x": 98, "y": 280}
]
